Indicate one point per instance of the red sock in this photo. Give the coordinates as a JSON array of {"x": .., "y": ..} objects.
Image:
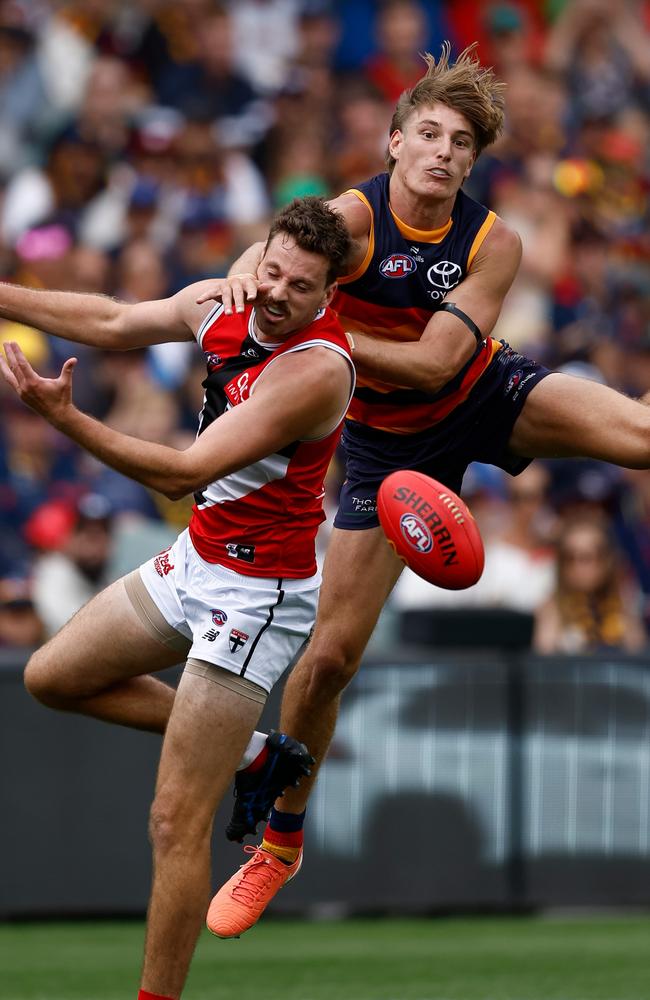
[
  {"x": 145, "y": 995},
  {"x": 259, "y": 761}
]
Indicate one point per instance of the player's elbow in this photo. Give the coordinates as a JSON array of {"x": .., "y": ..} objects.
[
  {"x": 183, "y": 479},
  {"x": 176, "y": 487},
  {"x": 175, "y": 492},
  {"x": 112, "y": 324},
  {"x": 434, "y": 376}
]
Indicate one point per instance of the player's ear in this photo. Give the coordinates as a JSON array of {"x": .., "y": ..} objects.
[{"x": 395, "y": 144}]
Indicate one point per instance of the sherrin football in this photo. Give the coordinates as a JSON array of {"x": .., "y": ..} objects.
[{"x": 431, "y": 530}]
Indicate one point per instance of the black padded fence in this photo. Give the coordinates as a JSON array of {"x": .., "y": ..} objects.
[{"x": 455, "y": 782}]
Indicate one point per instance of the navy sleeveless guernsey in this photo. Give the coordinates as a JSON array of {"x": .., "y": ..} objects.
[{"x": 405, "y": 277}]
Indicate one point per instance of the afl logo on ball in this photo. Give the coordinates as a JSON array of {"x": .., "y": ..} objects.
[
  {"x": 416, "y": 532},
  {"x": 398, "y": 265}
]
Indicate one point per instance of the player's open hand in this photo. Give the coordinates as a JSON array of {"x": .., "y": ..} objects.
[
  {"x": 51, "y": 397},
  {"x": 236, "y": 292}
]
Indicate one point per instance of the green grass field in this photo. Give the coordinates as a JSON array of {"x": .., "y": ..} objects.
[{"x": 457, "y": 959}]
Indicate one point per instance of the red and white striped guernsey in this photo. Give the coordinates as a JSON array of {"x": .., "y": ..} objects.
[{"x": 262, "y": 520}]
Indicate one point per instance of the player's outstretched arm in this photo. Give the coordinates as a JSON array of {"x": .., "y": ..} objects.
[
  {"x": 447, "y": 343},
  {"x": 300, "y": 397},
  {"x": 103, "y": 322}
]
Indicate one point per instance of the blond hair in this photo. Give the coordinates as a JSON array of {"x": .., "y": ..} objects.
[{"x": 465, "y": 86}]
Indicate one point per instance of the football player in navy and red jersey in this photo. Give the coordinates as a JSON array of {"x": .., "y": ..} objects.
[
  {"x": 428, "y": 274},
  {"x": 236, "y": 593}
]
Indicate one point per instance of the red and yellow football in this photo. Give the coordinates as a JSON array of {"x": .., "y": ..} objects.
[{"x": 431, "y": 530}]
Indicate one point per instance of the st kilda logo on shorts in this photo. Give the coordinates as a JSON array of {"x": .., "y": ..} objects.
[
  {"x": 398, "y": 265},
  {"x": 422, "y": 526},
  {"x": 237, "y": 639}
]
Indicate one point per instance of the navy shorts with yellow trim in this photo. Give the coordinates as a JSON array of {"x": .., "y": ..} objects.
[{"x": 476, "y": 431}]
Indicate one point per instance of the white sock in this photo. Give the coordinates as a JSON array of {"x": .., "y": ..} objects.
[{"x": 255, "y": 746}]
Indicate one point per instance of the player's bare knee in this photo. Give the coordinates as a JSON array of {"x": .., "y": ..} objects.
[
  {"x": 45, "y": 683},
  {"x": 332, "y": 668},
  {"x": 174, "y": 826}
]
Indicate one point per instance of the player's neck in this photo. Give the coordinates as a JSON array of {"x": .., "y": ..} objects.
[{"x": 425, "y": 214}]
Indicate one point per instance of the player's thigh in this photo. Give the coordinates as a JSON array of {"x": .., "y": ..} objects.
[
  {"x": 566, "y": 417},
  {"x": 103, "y": 643},
  {"x": 359, "y": 573},
  {"x": 209, "y": 728}
]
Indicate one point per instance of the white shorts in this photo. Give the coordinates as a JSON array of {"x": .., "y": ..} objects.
[{"x": 252, "y": 626}]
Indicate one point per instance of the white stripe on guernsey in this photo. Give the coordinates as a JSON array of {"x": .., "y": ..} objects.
[
  {"x": 248, "y": 480},
  {"x": 303, "y": 347},
  {"x": 214, "y": 313}
]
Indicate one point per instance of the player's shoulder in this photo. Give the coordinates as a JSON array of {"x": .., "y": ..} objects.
[
  {"x": 502, "y": 243},
  {"x": 355, "y": 211},
  {"x": 319, "y": 371}
]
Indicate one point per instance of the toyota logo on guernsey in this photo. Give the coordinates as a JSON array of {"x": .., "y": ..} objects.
[
  {"x": 398, "y": 265},
  {"x": 416, "y": 532},
  {"x": 444, "y": 274}
]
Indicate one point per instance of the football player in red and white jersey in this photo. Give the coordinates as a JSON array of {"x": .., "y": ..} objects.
[{"x": 236, "y": 593}]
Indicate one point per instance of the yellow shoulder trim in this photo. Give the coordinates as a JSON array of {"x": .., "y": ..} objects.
[
  {"x": 363, "y": 266},
  {"x": 480, "y": 236}
]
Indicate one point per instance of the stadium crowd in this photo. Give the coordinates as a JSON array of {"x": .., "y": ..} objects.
[{"x": 144, "y": 145}]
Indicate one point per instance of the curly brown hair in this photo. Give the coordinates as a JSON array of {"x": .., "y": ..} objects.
[
  {"x": 465, "y": 86},
  {"x": 317, "y": 228}
]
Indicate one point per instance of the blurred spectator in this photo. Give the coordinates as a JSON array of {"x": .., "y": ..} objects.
[
  {"x": 534, "y": 210},
  {"x": 606, "y": 59},
  {"x": 37, "y": 464},
  {"x": 509, "y": 34},
  {"x": 593, "y": 607},
  {"x": 24, "y": 105},
  {"x": 222, "y": 204},
  {"x": 64, "y": 192},
  {"x": 112, "y": 97},
  {"x": 265, "y": 39},
  {"x": 300, "y": 167},
  {"x": 632, "y": 526},
  {"x": 20, "y": 625},
  {"x": 364, "y": 121},
  {"x": 520, "y": 561},
  {"x": 65, "y": 52},
  {"x": 74, "y": 562},
  {"x": 169, "y": 45},
  {"x": 401, "y": 26}
]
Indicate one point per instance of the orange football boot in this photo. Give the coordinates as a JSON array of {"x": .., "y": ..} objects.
[{"x": 241, "y": 901}]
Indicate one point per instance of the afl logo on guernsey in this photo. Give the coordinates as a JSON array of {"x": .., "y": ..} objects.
[
  {"x": 416, "y": 532},
  {"x": 398, "y": 265}
]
